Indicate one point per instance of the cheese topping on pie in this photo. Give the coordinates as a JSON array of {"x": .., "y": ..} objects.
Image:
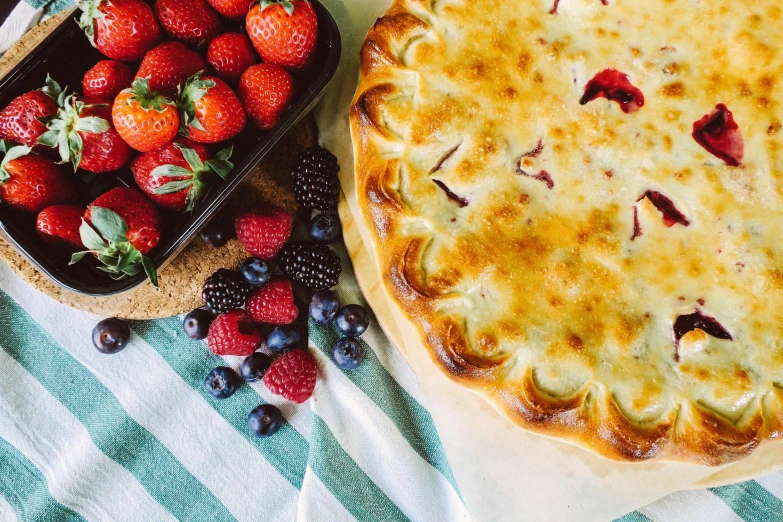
[{"x": 581, "y": 208}]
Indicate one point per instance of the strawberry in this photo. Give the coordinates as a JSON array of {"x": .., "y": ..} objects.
[
  {"x": 59, "y": 225},
  {"x": 120, "y": 227},
  {"x": 292, "y": 376},
  {"x": 145, "y": 120},
  {"x": 121, "y": 29},
  {"x": 168, "y": 66},
  {"x": 234, "y": 9},
  {"x": 266, "y": 91},
  {"x": 85, "y": 135},
  {"x": 230, "y": 54},
  {"x": 106, "y": 79},
  {"x": 233, "y": 333},
  {"x": 192, "y": 21},
  {"x": 264, "y": 232},
  {"x": 20, "y": 120},
  {"x": 273, "y": 303},
  {"x": 211, "y": 112},
  {"x": 30, "y": 182},
  {"x": 176, "y": 175},
  {"x": 283, "y": 32}
]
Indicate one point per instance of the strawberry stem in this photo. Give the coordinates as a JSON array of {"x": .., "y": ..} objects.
[{"x": 107, "y": 240}]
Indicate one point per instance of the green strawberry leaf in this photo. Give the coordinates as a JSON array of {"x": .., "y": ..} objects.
[
  {"x": 10, "y": 155},
  {"x": 195, "y": 89},
  {"x": 91, "y": 124},
  {"x": 54, "y": 91},
  {"x": 173, "y": 187},
  {"x": 288, "y": 6},
  {"x": 220, "y": 163},
  {"x": 75, "y": 258},
  {"x": 49, "y": 138},
  {"x": 170, "y": 171},
  {"x": 190, "y": 156},
  {"x": 109, "y": 224},
  {"x": 147, "y": 99},
  {"x": 90, "y": 238},
  {"x": 90, "y": 12},
  {"x": 149, "y": 269},
  {"x": 75, "y": 148}
]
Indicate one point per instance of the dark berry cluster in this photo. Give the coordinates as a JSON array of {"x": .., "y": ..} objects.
[
  {"x": 225, "y": 290},
  {"x": 315, "y": 180},
  {"x": 312, "y": 265}
]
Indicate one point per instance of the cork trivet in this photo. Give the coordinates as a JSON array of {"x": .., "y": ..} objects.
[{"x": 181, "y": 280}]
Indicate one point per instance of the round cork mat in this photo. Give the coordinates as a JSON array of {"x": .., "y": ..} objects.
[{"x": 181, "y": 280}]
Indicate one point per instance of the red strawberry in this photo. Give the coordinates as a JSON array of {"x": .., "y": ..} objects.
[
  {"x": 121, "y": 227},
  {"x": 121, "y": 29},
  {"x": 234, "y": 9},
  {"x": 19, "y": 121},
  {"x": 192, "y": 21},
  {"x": 264, "y": 232},
  {"x": 266, "y": 91},
  {"x": 211, "y": 112},
  {"x": 59, "y": 225},
  {"x": 168, "y": 66},
  {"x": 230, "y": 54},
  {"x": 144, "y": 119},
  {"x": 85, "y": 135},
  {"x": 292, "y": 376},
  {"x": 283, "y": 32},
  {"x": 273, "y": 303},
  {"x": 106, "y": 79},
  {"x": 176, "y": 175},
  {"x": 30, "y": 182},
  {"x": 233, "y": 333}
]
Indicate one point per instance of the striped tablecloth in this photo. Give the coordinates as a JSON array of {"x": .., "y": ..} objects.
[{"x": 134, "y": 436}]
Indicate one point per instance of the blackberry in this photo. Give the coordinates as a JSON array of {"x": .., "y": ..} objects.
[
  {"x": 312, "y": 265},
  {"x": 225, "y": 290},
  {"x": 315, "y": 181}
]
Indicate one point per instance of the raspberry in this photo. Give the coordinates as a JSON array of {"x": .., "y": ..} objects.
[
  {"x": 292, "y": 376},
  {"x": 264, "y": 231},
  {"x": 225, "y": 290},
  {"x": 315, "y": 181},
  {"x": 233, "y": 333},
  {"x": 273, "y": 303},
  {"x": 315, "y": 266}
]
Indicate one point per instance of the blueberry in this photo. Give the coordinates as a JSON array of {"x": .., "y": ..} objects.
[
  {"x": 324, "y": 228},
  {"x": 352, "y": 320},
  {"x": 284, "y": 337},
  {"x": 222, "y": 382},
  {"x": 111, "y": 335},
  {"x": 255, "y": 366},
  {"x": 196, "y": 323},
  {"x": 256, "y": 271},
  {"x": 324, "y": 306},
  {"x": 265, "y": 420},
  {"x": 347, "y": 353},
  {"x": 217, "y": 232}
]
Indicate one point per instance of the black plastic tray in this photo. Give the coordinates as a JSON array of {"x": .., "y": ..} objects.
[{"x": 66, "y": 55}]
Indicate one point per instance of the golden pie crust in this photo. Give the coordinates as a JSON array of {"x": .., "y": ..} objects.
[{"x": 605, "y": 270}]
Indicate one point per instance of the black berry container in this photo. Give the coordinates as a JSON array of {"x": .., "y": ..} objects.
[{"x": 66, "y": 55}]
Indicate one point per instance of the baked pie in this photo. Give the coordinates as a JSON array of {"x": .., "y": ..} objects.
[{"x": 579, "y": 204}]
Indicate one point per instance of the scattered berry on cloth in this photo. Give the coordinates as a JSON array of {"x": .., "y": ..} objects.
[
  {"x": 233, "y": 333},
  {"x": 292, "y": 376}
]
